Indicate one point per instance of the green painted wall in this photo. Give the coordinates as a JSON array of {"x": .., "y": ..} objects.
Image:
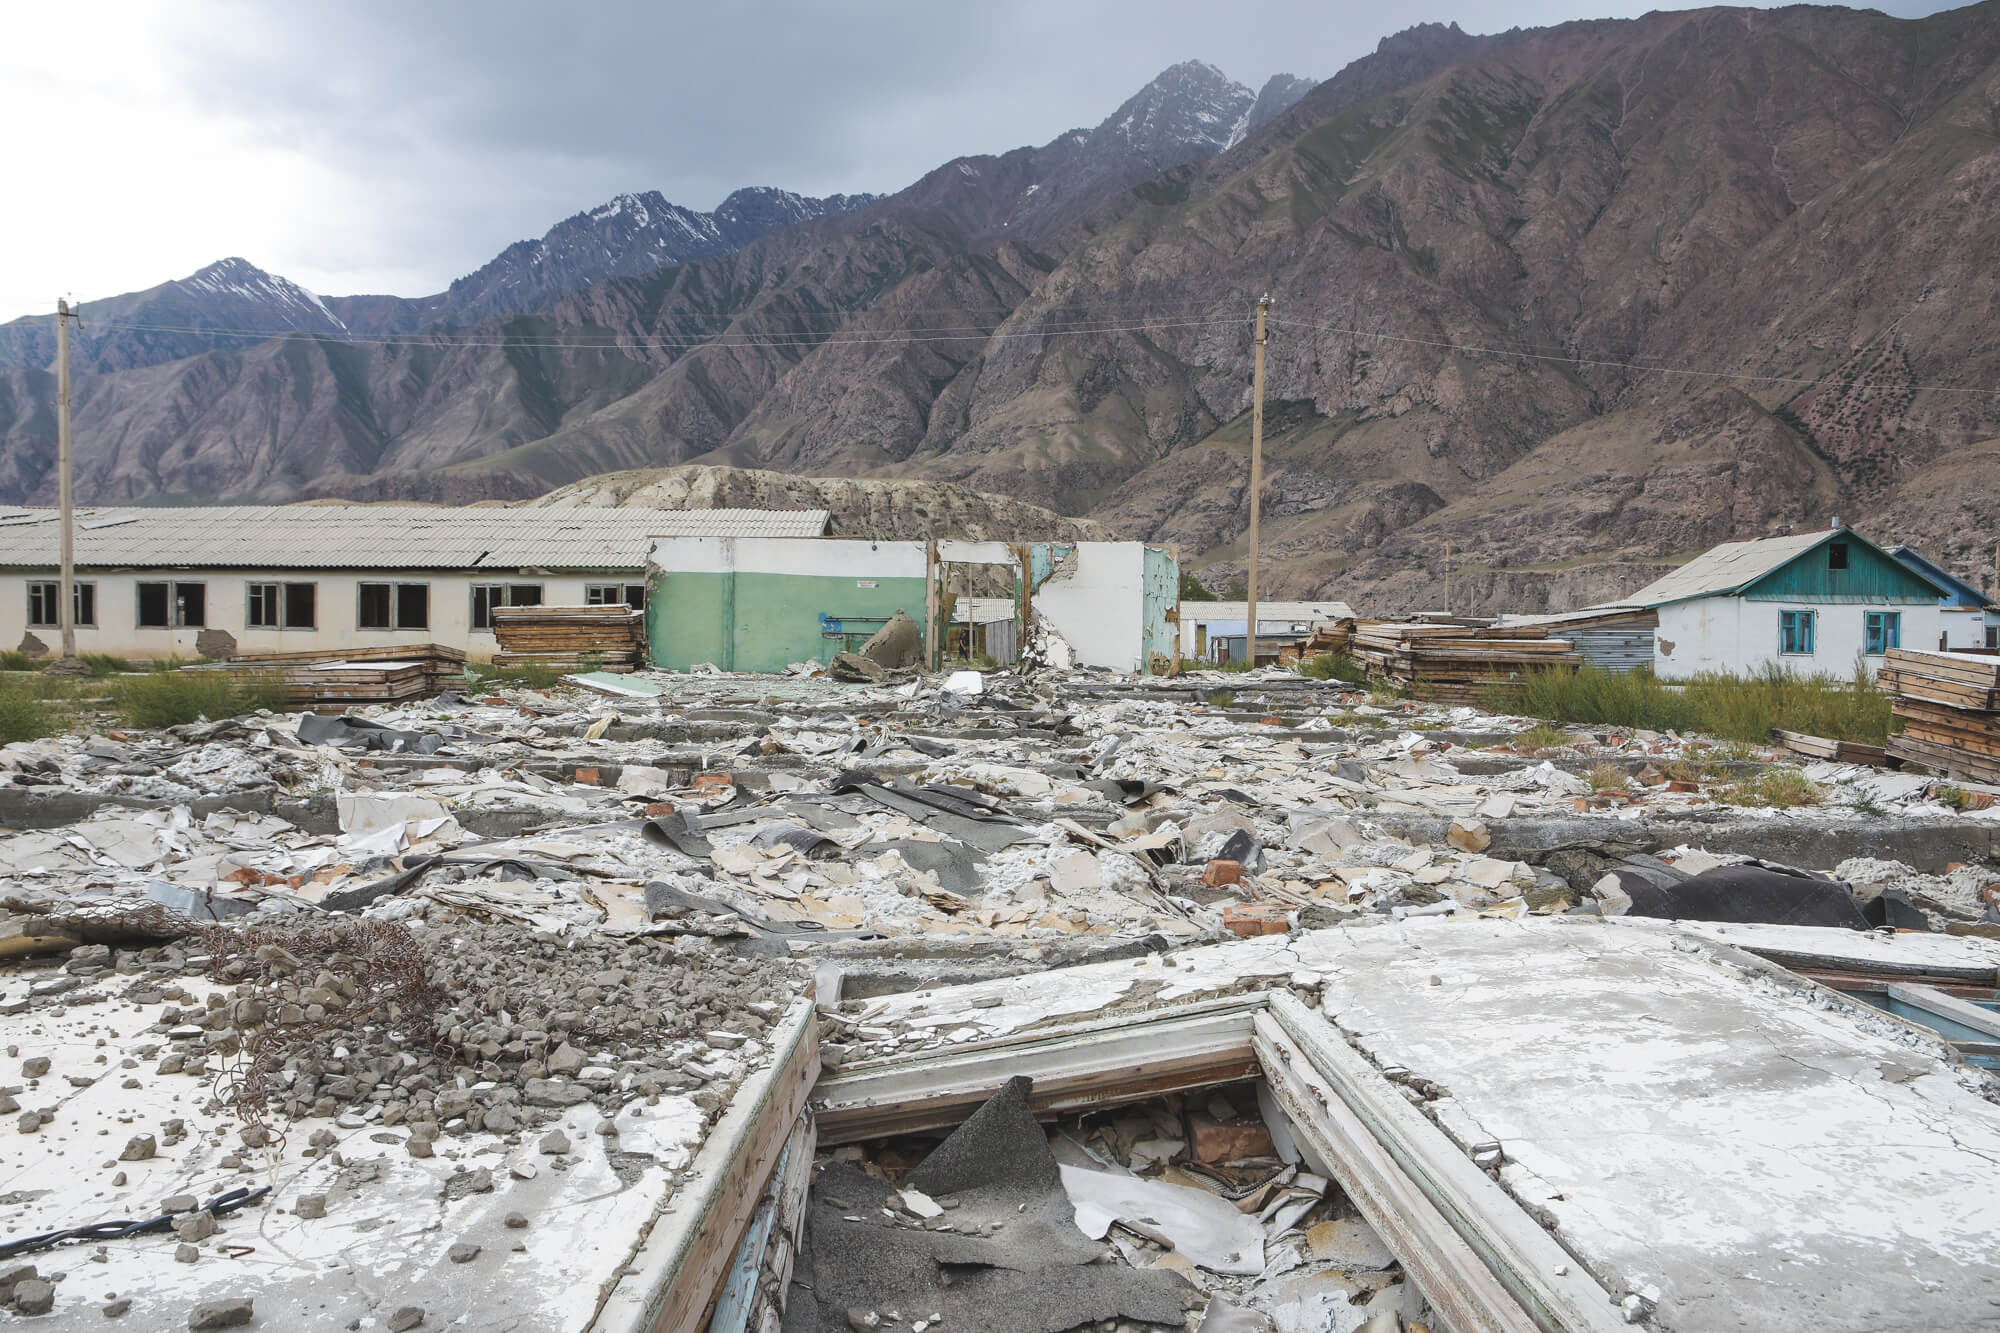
[
  {"x": 745, "y": 621},
  {"x": 1871, "y": 576}
]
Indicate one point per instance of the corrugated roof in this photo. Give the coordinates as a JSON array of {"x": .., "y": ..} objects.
[
  {"x": 1266, "y": 611},
  {"x": 378, "y": 537},
  {"x": 1729, "y": 567}
]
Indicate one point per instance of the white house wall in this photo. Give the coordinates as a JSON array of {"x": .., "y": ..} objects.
[
  {"x": 1099, "y": 606},
  {"x": 336, "y": 606},
  {"x": 1734, "y": 635}
]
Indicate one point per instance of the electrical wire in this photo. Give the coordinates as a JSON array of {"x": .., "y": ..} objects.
[{"x": 1630, "y": 366}]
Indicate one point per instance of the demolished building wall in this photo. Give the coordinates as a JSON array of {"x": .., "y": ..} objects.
[{"x": 761, "y": 604}]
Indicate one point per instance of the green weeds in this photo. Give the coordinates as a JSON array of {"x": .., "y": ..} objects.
[{"x": 1734, "y": 708}]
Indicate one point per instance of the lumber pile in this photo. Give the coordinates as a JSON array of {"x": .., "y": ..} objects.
[
  {"x": 1950, "y": 707},
  {"x": 442, "y": 666},
  {"x": 1333, "y": 637},
  {"x": 1455, "y": 663},
  {"x": 570, "y": 638},
  {"x": 1822, "y": 747},
  {"x": 333, "y": 678}
]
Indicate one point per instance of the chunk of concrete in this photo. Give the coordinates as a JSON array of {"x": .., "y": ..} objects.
[{"x": 220, "y": 1314}]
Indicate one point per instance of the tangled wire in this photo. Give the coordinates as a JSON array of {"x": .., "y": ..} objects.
[{"x": 300, "y": 985}]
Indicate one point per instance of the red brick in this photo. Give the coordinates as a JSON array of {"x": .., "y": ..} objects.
[
  {"x": 714, "y": 781},
  {"x": 1978, "y": 800},
  {"x": 657, "y": 809},
  {"x": 1219, "y": 873},
  {"x": 1253, "y": 919},
  {"x": 586, "y": 777},
  {"x": 1213, "y": 1143},
  {"x": 1678, "y": 785}
]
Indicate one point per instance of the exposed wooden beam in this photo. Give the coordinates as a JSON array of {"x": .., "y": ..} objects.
[{"x": 676, "y": 1272}]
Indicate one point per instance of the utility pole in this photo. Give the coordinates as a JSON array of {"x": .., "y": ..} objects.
[
  {"x": 1256, "y": 481},
  {"x": 1447, "y": 576},
  {"x": 67, "y": 664}
]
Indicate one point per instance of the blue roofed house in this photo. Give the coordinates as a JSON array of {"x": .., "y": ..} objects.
[
  {"x": 1966, "y": 619},
  {"x": 1811, "y": 602}
]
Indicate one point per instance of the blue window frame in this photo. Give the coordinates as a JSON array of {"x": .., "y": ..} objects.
[
  {"x": 1881, "y": 631},
  {"x": 1795, "y": 632}
]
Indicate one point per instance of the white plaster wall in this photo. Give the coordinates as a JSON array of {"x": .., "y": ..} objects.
[
  {"x": 337, "y": 607},
  {"x": 1731, "y": 634},
  {"x": 1962, "y": 626},
  {"x": 815, "y": 556},
  {"x": 1100, "y": 608}
]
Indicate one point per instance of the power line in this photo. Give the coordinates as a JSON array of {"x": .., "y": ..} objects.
[
  {"x": 1632, "y": 366},
  {"x": 612, "y": 341}
]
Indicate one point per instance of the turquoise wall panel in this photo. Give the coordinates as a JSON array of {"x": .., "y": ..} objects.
[
  {"x": 747, "y": 621},
  {"x": 1870, "y": 577},
  {"x": 1162, "y": 596}
]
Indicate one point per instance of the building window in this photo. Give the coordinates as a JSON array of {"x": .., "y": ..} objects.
[
  {"x": 281, "y": 606},
  {"x": 44, "y": 598},
  {"x": 1993, "y": 636},
  {"x": 1795, "y": 632},
  {"x": 173, "y": 605},
  {"x": 1881, "y": 631},
  {"x": 486, "y": 596},
  {"x": 613, "y": 594},
  {"x": 1836, "y": 556},
  {"x": 394, "y": 606}
]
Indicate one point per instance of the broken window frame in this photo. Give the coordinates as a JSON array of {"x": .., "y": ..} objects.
[
  {"x": 615, "y": 594},
  {"x": 44, "y": 596},
  {"x": 1836, "y": 555},
  {"x": 1881, "y": 631},
  {"x": 174, "y": 602},
  {"x": 1796, "y": 633},
  {"x": 487, "y": 597},
  {"x": 391, "y": 614}
]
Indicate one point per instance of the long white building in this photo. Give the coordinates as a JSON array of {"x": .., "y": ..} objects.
[{"x": 158, "y": 583}]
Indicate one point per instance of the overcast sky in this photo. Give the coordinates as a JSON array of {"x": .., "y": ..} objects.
[{"x": 392, "y": 145}]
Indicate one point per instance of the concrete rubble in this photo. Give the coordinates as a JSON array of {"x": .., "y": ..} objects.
[{"x": 424, "y": 1015}]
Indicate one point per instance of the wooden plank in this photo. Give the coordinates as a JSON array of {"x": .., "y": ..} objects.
[
  {"x": 737, "y": 1305},
  {"x": 1962, "y": 1012},
  {"x": 1123, "y": 1059},
  {"x": 1411, "y": 1164},
  {"x": 676, "y": 1271}
]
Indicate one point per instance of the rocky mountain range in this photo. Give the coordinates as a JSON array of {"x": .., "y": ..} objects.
[{"x": 1569, "y": 303}]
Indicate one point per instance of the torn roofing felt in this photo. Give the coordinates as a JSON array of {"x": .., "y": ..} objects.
[{"x": 1013, "y": 1260}]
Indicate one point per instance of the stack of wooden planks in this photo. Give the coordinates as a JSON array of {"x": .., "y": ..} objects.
[
  {"x": 335, "y": 678},
  {"x": 1334, "y": 637},
  {"x": 570, "y": 638},
  {"x": 1950, "y": 707},
  {"x": 1454, "y": 663}
]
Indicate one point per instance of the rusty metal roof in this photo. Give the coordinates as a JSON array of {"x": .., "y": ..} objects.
[{"x": 377, "y": 536}]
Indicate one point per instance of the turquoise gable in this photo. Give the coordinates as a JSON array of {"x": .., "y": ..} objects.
[{"x": 1871, "y": 576}]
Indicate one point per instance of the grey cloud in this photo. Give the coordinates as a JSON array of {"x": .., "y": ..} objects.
[{"x": 463, "y": 127}]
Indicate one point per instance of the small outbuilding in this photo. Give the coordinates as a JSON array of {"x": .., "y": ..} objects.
[{"x": 1966, "y": 619}]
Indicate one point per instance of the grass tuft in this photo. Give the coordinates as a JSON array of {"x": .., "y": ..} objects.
[
  {"x": 1782, "y": 788},
  {"x": 173, "y": 699},
  {"x": 1333, "y": 666},
  {"x": 1735, "y": 708},
  {"x": 16, "y": 660},
  {"x": 1542, "y": 736}
]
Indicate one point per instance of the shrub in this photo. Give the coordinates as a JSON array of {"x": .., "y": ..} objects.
[
  {"x": 25, "y": 715},
  {"x": 175, "y": 698},
  {"x": 104, "y": 664},
  {"x": 1332, "y": 666}
]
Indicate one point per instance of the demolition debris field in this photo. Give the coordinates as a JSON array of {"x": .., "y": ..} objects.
[{"x": 425, "y": 1011}]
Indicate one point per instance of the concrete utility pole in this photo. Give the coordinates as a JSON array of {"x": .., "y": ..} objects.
[
  {"x": 67, "y": 664},
  {"x": 1256, "y": 483}
]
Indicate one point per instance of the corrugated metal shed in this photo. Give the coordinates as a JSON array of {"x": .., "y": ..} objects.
[{"x": 378, "y": 536}]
